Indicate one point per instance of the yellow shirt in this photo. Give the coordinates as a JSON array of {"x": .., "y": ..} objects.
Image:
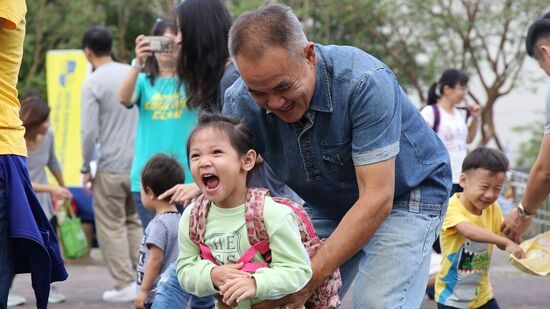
[
  {"x": 12, "y": 34},
  {"x": 463, "y": 281}
]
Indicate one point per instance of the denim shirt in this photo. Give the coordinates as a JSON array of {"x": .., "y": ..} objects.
[{"x": 358, "y": 115}]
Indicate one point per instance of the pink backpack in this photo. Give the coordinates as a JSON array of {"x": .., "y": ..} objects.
[{"x": 325, "y": 296}]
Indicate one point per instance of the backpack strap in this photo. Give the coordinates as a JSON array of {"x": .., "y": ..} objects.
[
  {"x": 197, "y": 227},
  {"x": 302, "y": 216},
  {"x": 255, "y": 224},
  {"x": 437, "y": 117},
  {"x": 467, "y": 111}
]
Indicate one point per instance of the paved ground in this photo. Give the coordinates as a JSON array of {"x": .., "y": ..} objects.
[{"x": 88, "y": 280}]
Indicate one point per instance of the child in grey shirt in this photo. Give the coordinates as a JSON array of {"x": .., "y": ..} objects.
[{"x": 159, "y": 247}]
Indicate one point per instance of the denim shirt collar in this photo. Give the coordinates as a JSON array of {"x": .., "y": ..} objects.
[{"x": 321, "y": 100}]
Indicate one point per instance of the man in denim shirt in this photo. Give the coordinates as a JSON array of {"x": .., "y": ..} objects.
[{"x": 335, "y": 125}]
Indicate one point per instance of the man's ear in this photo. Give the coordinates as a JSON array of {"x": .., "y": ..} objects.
[
  {"x": 249, "y": 160},
  {"x": 88, "y": 53},
  {"x": 309, "y": 50}
]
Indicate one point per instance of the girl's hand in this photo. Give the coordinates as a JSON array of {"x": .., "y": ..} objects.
[
  {"x": 238, "y": 289},
  {"x": 61, "y": 193},
  {"x": 223, "y": 273},
  {"x": 475, "y": 110},
  {"x": 142, "y": 50},
  {"x": 181, "y": 194}
]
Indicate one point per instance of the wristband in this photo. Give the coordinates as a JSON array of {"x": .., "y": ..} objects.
[{"x": 137, "y": 65}]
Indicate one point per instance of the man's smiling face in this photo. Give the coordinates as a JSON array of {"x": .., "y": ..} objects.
[{"x": 281, "y": 82}]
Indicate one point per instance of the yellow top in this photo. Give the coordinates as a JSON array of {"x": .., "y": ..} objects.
[
  {"x": 12, "y": 34},
  {"x": 463, "y": 281}
]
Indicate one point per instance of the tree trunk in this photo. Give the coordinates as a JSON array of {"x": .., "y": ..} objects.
[{"x": 488, "y": 131}]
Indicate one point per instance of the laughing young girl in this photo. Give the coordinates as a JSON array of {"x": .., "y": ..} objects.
[{"x": 221, "y": 154}]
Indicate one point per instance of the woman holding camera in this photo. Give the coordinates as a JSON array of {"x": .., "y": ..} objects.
[{"x": 165, "y": 120}]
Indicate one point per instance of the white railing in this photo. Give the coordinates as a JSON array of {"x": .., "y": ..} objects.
[{"x": 515, "y": 188}]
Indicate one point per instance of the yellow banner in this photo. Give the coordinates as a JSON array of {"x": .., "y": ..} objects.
[{"x": 65, "y": 73}]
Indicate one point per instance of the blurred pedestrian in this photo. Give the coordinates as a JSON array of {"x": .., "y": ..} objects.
[
  {"x": 518, "y": 220},
  {"x": 454, "y": 125},
  {"x": 163, "y": 107},
  {"x": 107, "y": 123},
  {"x": 41, "y": 154}
]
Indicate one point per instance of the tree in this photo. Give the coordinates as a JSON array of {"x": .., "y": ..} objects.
[
  {"x": 529, "y": 149},
  {"x": 59, "y": 24}
]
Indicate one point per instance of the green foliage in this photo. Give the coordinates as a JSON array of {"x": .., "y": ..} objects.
[
  {"x": 417, "y": 39},
  {"x": 529, "y": 149},
  {"x": 59, "y": 24}
]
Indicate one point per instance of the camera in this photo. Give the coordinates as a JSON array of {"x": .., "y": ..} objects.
[{"x": 160, "y": 44}]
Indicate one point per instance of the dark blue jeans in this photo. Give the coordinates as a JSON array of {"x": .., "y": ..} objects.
[
  {"x": 6, "y": 261},
  {"x": 171, "y": 295}
]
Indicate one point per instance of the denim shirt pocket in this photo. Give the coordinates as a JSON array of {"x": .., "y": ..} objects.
[{"x": 337, "y": 153}]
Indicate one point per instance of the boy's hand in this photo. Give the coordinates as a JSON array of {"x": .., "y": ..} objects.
[
  {"x": 238, "y": 289},
  {"x": 140, "y": 299},
  {"x": 515, "y": 250},
  {"x": 223, "y": 273}
]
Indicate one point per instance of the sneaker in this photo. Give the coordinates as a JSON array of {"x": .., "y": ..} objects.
[
  {"x": 15, "y": 300},
  {"x": 126, "y": 294},
  {"x": 55, "y": 297}
]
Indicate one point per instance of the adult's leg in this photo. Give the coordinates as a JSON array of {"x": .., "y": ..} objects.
[
  {"x": 6, "y": 261},
  {"x": 394, "y": 271},
  {"x": 133, "y": 225},
  {"x": 110, "y": 215},
  {"x": 145, "y": 215},
  {"x": 169, "y": 293},
  {"x": 325, "y": 227}
]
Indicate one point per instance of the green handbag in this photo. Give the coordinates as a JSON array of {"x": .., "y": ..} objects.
[{"x": 72, "y": 237}]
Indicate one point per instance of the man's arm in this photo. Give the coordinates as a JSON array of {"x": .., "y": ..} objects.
[
  {"x": 537, "y": 190},
  {"x": 538, "y": 184},
  {"x": 376, "y": 187},
  {"x": 89, "y": 126}
]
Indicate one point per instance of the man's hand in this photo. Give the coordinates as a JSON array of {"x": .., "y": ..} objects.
[
  {"x": 514, "y": 226},
  {"x": 236, "y": 290},
  {"x": 87, "y": 183},
  {"x": 140, "y": 299},
  {"x": 220, "y": 274},
  {"x": 181, "y": 194}
]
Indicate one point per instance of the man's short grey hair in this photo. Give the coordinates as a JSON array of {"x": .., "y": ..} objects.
[{"x": 274, "y": 25}]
